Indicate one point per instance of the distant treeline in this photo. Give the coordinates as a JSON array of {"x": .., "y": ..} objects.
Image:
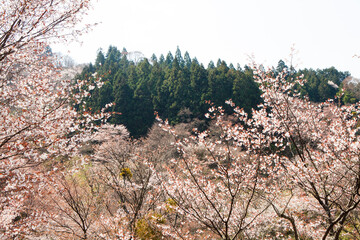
[{"x": 179, "y": 88}]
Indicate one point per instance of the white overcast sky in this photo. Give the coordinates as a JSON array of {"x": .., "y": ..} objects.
[{"x": 325, "y": 33}]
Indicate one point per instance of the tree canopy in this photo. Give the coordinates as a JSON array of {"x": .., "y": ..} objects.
[{"x": 168, "y": 85}]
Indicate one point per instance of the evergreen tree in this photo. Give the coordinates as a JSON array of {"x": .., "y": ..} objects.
[
  {"x": 218, "y": 64},
  {"x": 187, "y": 60},
  {"x": 281, "y": 66},
  {"x": 157, "y": 79},
  {"x": 169, "y": 60},
  {"x": 143, "y": 115},
  {"x": 179, "y": 57},
  {"x": 105, "y": 96},
  {"x": 132, "y": 77},
  {"x": 100, "y": 59},
  {"x": 123, "y": 103},
  {"x": 220, "y": 85},
  {"x": 211, "y": 65},
  {"x": 161, "y": 59},
  {"x": 153, "y": 58},
  {"x": 170, "y": 90},
  {"x": 246, "y": 93},
  {"x": 199, "y": 86},
  {"x": 113, "y": 55}
]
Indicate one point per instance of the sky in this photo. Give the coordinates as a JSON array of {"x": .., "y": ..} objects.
[{"x": 324, "y": 33}]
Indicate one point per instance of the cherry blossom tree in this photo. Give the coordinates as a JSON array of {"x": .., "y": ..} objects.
[
  {"x": 318, "y": 148},
  {"x": 131, "y": 189},
  {"x": 73, "y": 205},
  {"x": 290, "y": 169},
  {"x": 213, "y": 186},
  {"x": 37, "y": 123}
]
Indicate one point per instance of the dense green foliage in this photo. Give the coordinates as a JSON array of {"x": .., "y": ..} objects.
[
  {"x": 179, "y": 88},
  {"x": 320, "y": 84},
  {"x": 317, "y": 86}
]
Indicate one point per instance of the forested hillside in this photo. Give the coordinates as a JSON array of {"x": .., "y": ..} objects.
[
  {"x": 278, "y": 161},
  {"x": 179, "y": 88}
]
